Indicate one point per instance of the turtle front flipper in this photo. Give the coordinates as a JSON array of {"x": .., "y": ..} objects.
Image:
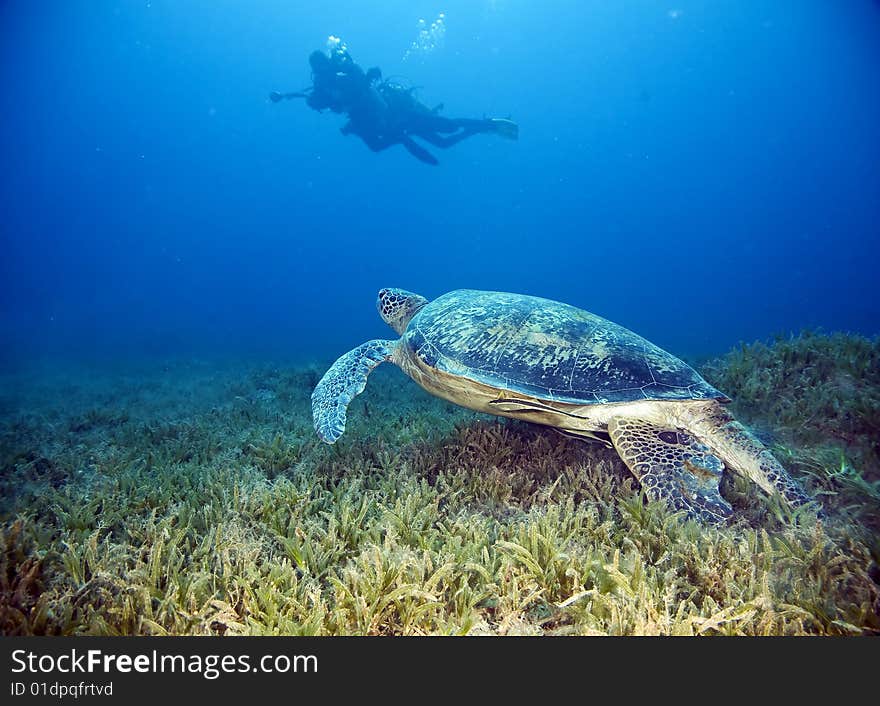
[
  {"x": 762, "y": 467},
  {"x": 344, "y": 381},
  {"x": 672, "y": 465},
  {"x": 744, "y": 454}
]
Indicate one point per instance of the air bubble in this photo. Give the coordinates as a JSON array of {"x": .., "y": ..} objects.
[{"x": 429, "y": 38}]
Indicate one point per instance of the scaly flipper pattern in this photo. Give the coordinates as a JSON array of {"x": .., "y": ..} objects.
[
  {"x": 672, "y": 465},
  {"x": 344, "y": 381}
]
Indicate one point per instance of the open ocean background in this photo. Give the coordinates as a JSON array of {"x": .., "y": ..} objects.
[
  {"x": 703, "y": 173},
  {"x": 181, "y": 260}
]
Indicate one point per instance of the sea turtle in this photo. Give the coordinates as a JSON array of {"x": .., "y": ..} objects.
[{"x": 546, "y": 362}]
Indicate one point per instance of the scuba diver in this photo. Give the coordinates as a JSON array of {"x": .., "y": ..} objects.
[{"x": 382, "y": 113}]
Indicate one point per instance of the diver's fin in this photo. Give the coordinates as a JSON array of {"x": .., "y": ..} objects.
[
  {"x": 275, "y": 96},
  {"x": 505, "y": 128},
  {"x": 344, "y": 381},
  {"x": 419, "y": 152},
  {"x": 672, "y": 465}
]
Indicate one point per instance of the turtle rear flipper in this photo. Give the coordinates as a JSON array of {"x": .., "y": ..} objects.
[
  {"x": 344, "y": 381},
  {"x": 671, "y": 464}
]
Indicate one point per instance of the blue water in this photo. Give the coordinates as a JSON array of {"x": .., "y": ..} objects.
[{"x": 701, "y": 172}]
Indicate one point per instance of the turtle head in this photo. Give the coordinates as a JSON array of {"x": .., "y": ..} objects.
[{"x": 397, "y": 307}]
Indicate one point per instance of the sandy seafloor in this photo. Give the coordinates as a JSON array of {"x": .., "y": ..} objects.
[{"x": 192, "y": 496}]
